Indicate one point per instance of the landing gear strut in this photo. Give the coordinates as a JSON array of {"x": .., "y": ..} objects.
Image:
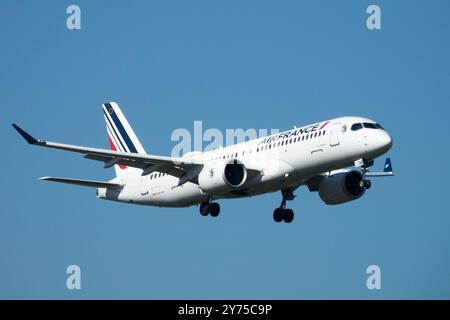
[
  {"x": 366, "y": 183},
  {"x": 208, "y": 207},
  {"x": 281, "y": 213}
]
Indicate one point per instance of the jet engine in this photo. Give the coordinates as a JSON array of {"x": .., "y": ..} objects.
[
  {"x": 342, "y": 187},
  {"x": 223, "y": 176}
]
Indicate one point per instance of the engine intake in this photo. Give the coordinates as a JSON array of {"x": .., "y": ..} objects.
[
  {"x": 222, "y": 176},
  {"x": 342, "y": 187}
]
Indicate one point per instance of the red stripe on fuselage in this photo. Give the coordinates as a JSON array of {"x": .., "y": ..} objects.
[
  {"x": 323, "y": 126},
  {"x": 113, "y": 148}
]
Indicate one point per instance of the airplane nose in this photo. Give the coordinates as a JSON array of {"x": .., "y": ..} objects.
[{"x": 386, "y": 141}]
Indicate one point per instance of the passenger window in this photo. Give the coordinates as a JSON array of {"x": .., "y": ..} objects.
[{"x": 356, "y": 126}]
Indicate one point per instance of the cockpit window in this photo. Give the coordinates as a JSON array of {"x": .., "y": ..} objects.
[
  {"x": 369, "y": 125},
  {"x": 356, "y": 126}
]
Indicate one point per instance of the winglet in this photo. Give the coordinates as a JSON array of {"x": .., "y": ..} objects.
[
  {"x": 25, "y": 135},
  {"x": 388, "y": 165}
]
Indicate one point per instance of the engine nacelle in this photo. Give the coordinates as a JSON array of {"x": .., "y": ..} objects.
[
  {"x": 222, "y": 176},
  {"x": 342, "y": 187}
]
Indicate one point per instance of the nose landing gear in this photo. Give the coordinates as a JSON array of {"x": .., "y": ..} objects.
[{"x": 366, "y": 183}]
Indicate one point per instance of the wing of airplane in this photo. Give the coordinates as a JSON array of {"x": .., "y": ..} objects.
[
  {"x": 148, "y": 163},
  {"x": 86, "y": 183},
  {"x": 387, "y": 171}
]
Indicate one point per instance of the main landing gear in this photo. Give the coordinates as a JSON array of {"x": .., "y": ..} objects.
[
  {"x": 208, "y": 207},
  {"x": 281, "y": 213}
]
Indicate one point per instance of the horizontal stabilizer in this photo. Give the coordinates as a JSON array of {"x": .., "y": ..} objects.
[{"x": 86, "y": 183}]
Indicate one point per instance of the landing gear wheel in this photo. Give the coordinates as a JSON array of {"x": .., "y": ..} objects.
[
  {"x": 281, "y": 213},
  {"x": 214, "y": 209},
  {"x": 204, "y": 208},
  {"x": 278, "y": 215},
  {"x": 367, "y": 184},
  {"x": 288, "y": 215}
]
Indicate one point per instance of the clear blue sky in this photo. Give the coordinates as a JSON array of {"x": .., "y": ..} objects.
[{"x": 231, "y": 64}]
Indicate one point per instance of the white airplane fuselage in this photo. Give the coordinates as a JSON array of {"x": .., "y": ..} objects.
[{"x": 284, "y": 160}]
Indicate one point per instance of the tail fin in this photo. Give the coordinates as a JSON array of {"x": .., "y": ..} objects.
[
  {"x": 120, "y": 135},
  {"x": 388, "y": 165}
]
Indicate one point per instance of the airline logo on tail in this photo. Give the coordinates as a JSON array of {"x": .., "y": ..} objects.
[{"x": 120, "y": 134}]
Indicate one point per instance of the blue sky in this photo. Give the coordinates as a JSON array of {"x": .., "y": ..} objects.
[{"x": 231, "y": 64}]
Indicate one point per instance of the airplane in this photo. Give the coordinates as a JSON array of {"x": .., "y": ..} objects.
[{"x": 331, "y": 157}]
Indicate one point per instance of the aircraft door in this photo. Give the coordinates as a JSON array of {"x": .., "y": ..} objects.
[
  {"x": 334, "y": 134},
  {"x": 144, "y": 182}
]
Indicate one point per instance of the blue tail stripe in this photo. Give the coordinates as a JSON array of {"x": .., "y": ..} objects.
[
  {"x": 121, "y": 129},
  {"x": 115, "y": 133},
  {"x": 113, "y": 137}
]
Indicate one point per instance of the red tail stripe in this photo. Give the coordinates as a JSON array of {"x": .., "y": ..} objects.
[{"x": 113, "y": 148}]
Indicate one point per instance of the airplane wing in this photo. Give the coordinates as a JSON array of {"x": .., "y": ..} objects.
[
  {"x": 86, "y": 183},
  {"x": 387, "y": 171},
  {"x": 149, "y": 163}
]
